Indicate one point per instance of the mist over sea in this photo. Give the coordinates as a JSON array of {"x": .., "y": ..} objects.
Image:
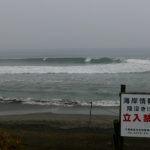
[{"x": 66, "y": 82}]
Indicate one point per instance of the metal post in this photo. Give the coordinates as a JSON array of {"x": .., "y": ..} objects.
[
  {"x": 116, "y": 135},
  {"x": 118, "y": 140},
  {"x": 123, "y": 88},
  {"x": 121, "y": 139},
  {"x": 90, "y": 115}
]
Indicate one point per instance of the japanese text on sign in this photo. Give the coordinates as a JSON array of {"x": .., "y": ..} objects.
[{"x": 135, "y": 115}]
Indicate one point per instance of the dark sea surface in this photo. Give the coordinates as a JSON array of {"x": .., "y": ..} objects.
[{"x": 69, "y": 84}]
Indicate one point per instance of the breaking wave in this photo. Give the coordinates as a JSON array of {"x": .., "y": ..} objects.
[
  {"x": 60, "y": 102},
  {"x": 58, "y": 61},
  {"x": 126, "y": 66}
]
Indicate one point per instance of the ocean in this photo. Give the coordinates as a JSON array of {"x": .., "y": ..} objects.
[{"x": 70, "y": 84}]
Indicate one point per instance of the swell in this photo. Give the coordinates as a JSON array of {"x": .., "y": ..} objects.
[
  {"x": 126, "y": 66},
  {"x": 67, "y": 61}
]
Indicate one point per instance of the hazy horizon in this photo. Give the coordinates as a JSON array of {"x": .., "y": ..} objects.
[
  {"x": 74, "y": 52},
  {"x": 34, "y": 25}
]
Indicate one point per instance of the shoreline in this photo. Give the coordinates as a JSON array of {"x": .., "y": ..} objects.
[
  {"x": 60, "y": 120},
  {"x": 22, "y": 109}
]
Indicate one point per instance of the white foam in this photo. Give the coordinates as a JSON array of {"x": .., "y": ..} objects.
[
  {"x": 60, "y": 102},
  {"x": 106, "y": 103},
  {"x": 70, "y": 103},
  {"x": 88, "y": 59},
  {"x": 130, "y": 66},
  {"x": 45, "y": 58},
  {"x": 138, "y": 61}
]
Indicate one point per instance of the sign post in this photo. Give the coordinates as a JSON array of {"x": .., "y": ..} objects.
[
  {"x": 118, "y": 140},
  {"x": 134, "y": 117}
]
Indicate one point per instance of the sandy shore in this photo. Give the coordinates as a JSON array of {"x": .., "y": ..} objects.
[
  {"x": 60, "y": 120},
  {"x": 61, "y": 132}
]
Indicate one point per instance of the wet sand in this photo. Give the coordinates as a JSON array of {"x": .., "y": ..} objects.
[{"x": 65, "y": 132}]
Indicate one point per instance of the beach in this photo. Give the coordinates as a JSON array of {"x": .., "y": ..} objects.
[
  {"x": 70, "y": 70},
  {"x": 45, "y": 102},
  {"x": 74, "y": 75},
  {"x": 57, "y": 132}
]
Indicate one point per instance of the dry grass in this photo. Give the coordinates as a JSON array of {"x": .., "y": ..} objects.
[
  {"x": 9, "y": 143},
  {"x": 64, "y": 139}
]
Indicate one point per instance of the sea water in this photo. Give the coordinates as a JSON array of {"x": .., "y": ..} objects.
[{"x": 69, "y": 84}]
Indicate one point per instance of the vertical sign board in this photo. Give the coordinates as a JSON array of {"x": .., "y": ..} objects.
[{"x": 135, "y": 115}]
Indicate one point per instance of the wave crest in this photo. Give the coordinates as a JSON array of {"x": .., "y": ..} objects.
[
  {"x": 67, "y": 61},
  {"x": 60, "y": 102},
  {"x": 126, "y": 66}
]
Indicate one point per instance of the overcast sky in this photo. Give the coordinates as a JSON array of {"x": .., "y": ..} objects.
[{"x": 52, "y": 24}]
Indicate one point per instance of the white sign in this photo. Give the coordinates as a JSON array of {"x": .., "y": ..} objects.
[{"x": 135, "y": 115}]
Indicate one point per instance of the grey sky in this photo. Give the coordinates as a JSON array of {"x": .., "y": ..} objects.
[{"x": 49, "y": 24}]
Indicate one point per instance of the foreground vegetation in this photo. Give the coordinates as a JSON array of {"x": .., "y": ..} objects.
[{"x": 9, "y": 143}]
